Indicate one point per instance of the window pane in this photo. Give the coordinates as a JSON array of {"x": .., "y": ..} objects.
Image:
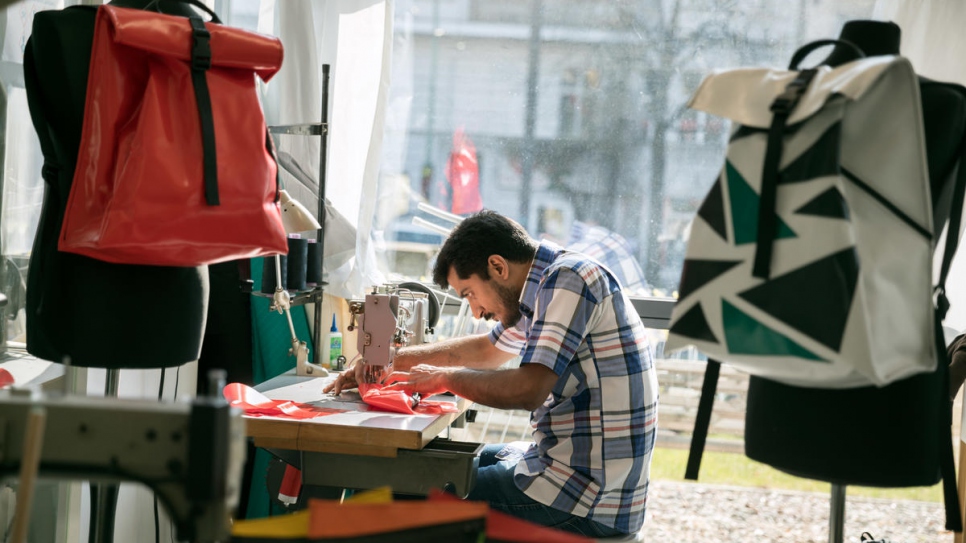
[{"x": 569, "y": 116}]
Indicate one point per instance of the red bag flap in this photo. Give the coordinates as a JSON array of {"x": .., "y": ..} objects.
[{"x": 171, "y": 35}]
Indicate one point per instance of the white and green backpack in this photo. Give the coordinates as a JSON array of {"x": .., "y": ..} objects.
[{"x": 810, "y": 260}]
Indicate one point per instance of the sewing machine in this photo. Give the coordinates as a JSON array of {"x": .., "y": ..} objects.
[
  {"x": 191, "y": 455},
  {"x": 392, "y": 316},
  {"x": 358, "y": 447}
]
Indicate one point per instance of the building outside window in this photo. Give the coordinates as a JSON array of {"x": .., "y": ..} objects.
[{"x": 579, "y": 107}]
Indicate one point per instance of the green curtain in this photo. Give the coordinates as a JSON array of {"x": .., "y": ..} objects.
[{"x": 271, "y": 341}]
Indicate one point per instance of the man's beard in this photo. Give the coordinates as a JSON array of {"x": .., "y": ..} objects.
[{"x": 511, "y": 305}]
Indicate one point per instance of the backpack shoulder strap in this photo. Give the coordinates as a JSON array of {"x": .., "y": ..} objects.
[
  {"x": 953, "y": 226},
  {"x": 703, "y": 419}
]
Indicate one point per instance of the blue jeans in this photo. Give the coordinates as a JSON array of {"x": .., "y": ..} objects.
[{"x": 494, "y": 485}]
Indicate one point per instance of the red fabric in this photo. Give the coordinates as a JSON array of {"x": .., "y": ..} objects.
[
  {"x": 6, "y": 378},
  {"x": 398, "y": 401},
  {"x": 463, "y": 173},
  {"x": 256, "y": 404},
  {"x": 138, "y": 194},
  {"x": 504, "y": 527}
]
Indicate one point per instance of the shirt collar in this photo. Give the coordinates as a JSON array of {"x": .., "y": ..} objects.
[{"x": 547, "y": 252}]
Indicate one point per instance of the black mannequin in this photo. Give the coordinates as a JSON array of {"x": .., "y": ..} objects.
[
  {"x": 867, "y": 436},
  {"x": 942, "y": 106},
  {"x": 98, "y": 314},
  {"x": 874, "y": 38}
]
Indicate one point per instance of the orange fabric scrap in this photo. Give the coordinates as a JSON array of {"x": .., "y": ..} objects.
[
  {"x": 398, "y": 401},
  {"x": 256, "y": 404}
]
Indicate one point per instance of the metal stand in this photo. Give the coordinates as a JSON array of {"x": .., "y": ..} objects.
[
  {"x": 315, "y": 129},
  {"x": 320, "y": 235},
  {"x": 104, "y": 495},
  {"x": 836, "y": 518}
]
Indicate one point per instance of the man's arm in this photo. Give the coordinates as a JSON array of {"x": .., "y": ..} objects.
[
  {"x": 469, "y": 351},
  {"x": 526, "y": 387}
]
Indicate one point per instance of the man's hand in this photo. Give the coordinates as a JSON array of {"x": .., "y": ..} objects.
[
  {"x": 350, "y": 378},
  {"x": 420, "y": 379}
]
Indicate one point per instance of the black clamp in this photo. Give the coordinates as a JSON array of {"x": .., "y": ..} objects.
[
  {"x": 201, "y": 46},
  {"x": 49, "y": 172},
  {"x": 942, "y": 302},
  {"x": 788, "y": 99}
]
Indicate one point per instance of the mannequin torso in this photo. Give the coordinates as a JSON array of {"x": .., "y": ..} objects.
[
  {"x": 867, "y": 436},
  {"x": 99, "y": 314}
]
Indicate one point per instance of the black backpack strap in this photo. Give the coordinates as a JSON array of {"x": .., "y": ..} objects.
[
  {"x": 200, "y": 62},
  {"x": 703, "y": 419},
  {"x": 767, "y": 219},
  {"x": 947, "y": 464},
  {"x": 954, "y": 521},
  {"x": 952, "y": 233},
  {"x": 270, "y": 147}
]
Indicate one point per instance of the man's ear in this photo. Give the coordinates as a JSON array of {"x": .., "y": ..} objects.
[{"x": 498, "y": 266}]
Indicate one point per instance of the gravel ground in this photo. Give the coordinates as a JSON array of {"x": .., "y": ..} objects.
[{"x": 692, "y": 512}]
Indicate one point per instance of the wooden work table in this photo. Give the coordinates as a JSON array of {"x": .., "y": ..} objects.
[
  {"x": 357, "y": 430},
  {"x": 358, "y": 447}
]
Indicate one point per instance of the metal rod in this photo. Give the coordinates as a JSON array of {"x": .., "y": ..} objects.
[
  {"x": 313, "y": 129},
  {"x": 278, "y": 272},
  {"x": 419, "y": 221},
  {"x": 437, "y": 212},
  {"x": 110, "y": 383},
  {"x": 217, "y": 379},
  {"x": 836, "y": 518},
  {"x": 104, "y": 495},
  {"x": 530, "y": 120},
  {"x": 320, "y": 236}
]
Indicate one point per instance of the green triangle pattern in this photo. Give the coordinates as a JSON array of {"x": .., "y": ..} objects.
[
  {"x": 744, "y": 209},
  {"x": 745, "y": 335}
]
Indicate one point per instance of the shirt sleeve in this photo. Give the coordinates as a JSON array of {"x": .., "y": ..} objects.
[
  {"x": 509, "y": 340},
  {"x": 562, "y": 318}
]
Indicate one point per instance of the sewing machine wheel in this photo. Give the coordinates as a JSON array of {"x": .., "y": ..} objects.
[{"x": 433, "y": 316}]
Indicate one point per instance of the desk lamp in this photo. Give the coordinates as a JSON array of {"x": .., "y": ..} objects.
[{"x": 295, "y": 218}]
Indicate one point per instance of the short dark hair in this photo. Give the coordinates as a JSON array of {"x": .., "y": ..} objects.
[{"x": 475, "y": 239}]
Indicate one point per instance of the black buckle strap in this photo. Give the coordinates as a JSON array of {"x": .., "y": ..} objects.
[
  {"x": 201, "y": 46},
  {"x": 200, "y": 62},
  {"x": 767, "y": 220},
  {"x": 793, "y": 92}
]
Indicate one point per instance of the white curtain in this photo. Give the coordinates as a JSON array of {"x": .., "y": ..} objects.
[
  {"x": 932, "y": 35},
  {"x": 354, "y": 37},
  {"x": 933, "y": 40}
]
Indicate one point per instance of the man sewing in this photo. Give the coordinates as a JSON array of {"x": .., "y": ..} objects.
[{"x": 585, "y": 374}]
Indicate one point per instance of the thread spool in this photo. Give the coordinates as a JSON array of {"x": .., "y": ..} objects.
[
  {"x": 297, "y": 255},
  {"x": 313, "y": 273},
  {"x": 268, "y": 273}
]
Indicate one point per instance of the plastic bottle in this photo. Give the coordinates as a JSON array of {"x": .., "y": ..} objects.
[{"x": 333, "y": 348}]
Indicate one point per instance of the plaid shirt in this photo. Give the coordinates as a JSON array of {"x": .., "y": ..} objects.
[{"x": 595, "y": 432}]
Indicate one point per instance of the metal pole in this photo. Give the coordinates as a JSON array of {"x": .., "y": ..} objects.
[
  {"x": 110, "y": 383},
  {"x": 104, "y": 495},
  {"x": 836, "y": 518},
  {"x": 529, "y": 144},
  {"x": 320, "y": 236},
  {"x": 428, "y": 173}
]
